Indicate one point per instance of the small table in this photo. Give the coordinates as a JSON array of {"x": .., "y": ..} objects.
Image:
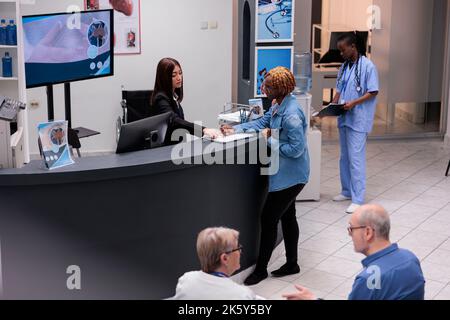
[{"x": 84, "y": 132}]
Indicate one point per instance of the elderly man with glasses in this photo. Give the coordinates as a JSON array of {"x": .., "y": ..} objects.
[
  {"x": 219, "y": 253},
  {"x": 389, "y": 273}
]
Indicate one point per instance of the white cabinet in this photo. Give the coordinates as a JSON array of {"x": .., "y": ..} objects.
[
  {"x": 14, "y": 149},
  {"x": 312, "y": 189}
]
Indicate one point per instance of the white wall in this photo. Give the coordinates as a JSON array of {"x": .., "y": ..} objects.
[
  {"x": 340, "y": 15},
  {"x": 169, "y": 28},
  {"x": 343, "y": 15}
]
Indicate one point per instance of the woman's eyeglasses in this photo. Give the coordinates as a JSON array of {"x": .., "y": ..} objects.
[{"x": 239, "y": 248}]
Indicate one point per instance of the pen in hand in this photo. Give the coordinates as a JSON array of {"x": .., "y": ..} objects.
[{"x": 226, "y": 130}]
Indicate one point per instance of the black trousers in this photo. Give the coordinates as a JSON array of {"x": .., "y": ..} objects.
[{"x": 279, "y": 205}]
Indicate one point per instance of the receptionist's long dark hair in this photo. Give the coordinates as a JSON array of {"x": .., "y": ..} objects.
[{"x": 163, "y": 81}]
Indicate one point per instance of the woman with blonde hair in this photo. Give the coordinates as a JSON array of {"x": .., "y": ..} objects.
[
  {"x": 284, "y": 127},
  {"x": 219, "y": 253}
]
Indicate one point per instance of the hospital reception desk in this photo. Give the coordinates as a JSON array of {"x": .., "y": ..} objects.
[{"x": 121, "y": 226}]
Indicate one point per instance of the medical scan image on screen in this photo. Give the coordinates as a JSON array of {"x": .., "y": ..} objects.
[{"x": 67, "y": 47}]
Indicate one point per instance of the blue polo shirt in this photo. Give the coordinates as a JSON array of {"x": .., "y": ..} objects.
[{"x": 390, "y": 274}]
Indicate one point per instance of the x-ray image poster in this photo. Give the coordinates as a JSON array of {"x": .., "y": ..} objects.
[
  {"x": 55, "y": 148},
  {"x": 267, "y": 58},
  {"x": 127, "y": 23},
  {"x": 274, "y": 21}
]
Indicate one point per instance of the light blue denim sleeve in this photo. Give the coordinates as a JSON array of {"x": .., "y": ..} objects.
[
  {"x": 256, "y": 125},
  {"x": 295, "y": 146}
]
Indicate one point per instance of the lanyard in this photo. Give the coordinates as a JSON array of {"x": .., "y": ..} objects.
[
  {"x": 348, "y": 79},
  {"x": 358, "y": 88},
  {"x": 219, "y": 274}
]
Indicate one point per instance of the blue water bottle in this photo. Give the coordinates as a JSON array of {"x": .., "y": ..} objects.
[
  {"x": 11, "y": 34},
  {"x": 303, "y": 72},
  {"x": 2, "y": 32},
  {"x": 7, "y": 65}
]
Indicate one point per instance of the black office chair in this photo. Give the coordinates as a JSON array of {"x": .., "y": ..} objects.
[{"x": 135, "y": 106}]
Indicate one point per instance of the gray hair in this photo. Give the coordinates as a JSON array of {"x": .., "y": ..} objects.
[
  {"x": 212, "y": 243},
  {"x": 376, "y": 216}
]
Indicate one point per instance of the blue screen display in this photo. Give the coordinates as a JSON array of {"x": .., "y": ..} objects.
[{"x": 68, "y": 47}]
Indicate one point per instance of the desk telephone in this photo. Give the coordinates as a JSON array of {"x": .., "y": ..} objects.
[{"x": 9, "y": 108}]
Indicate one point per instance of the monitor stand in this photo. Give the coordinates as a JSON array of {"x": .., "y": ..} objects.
[{"x": 80, "y": 131}]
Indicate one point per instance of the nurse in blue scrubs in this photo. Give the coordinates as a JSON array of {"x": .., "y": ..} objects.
[{"x": 357, "y": 88}]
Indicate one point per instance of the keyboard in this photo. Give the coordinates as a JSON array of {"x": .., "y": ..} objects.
[{"x": 9, "y": 108}]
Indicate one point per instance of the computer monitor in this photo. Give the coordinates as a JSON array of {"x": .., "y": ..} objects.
[
  {"x": 143, "y": 134},
  {"x": 67, "y": 47}
]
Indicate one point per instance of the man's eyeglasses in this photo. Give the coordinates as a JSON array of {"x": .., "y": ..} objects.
[
  {"x": 239, "y": 248},
  {"x": 350, "y": 229}
]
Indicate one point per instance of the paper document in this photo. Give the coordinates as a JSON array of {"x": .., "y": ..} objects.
[
  {"x": 232, "y": 117},
  {"x": 332, "y": 110},
  {"x": 231, "y": 138}
]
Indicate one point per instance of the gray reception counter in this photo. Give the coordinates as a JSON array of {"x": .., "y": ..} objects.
[{"x": 125, "y": 224}]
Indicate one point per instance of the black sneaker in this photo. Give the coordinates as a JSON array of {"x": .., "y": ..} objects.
[
  {"x": 255, "y": 278},
  {"x": 286, "y": 270}
]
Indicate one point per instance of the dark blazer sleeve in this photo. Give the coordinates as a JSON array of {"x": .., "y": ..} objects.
[{"x": 163, "y": 105}]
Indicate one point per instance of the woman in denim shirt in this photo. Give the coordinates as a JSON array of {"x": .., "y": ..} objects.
[{"x": 284, "y": 126}]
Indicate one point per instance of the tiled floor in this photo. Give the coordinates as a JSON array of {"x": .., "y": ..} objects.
[{"x": 407, "y": 178}]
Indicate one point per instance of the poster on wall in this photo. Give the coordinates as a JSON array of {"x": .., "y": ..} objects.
[
  {"x": 274, "y": 21},
  {"x": 127, "y": 24},
  {"x": 267, "y": 58}
]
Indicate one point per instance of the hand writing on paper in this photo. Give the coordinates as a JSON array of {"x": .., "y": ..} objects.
[
  {"x": 212, "y": 133},
  {"x": 267, "y": 133},
  {"x": 227, "y": 130}
]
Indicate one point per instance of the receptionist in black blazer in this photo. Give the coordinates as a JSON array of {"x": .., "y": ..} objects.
[{"x": 167, "y": 97}]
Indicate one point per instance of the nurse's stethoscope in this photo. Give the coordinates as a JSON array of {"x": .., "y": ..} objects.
[
  {"x": 358, "y": 73},
  {"x": 284, "y": 11}
]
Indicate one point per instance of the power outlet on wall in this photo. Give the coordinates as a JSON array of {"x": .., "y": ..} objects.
[
  {"x": 212, "y": 24},
  {"x": 34, "y": 104}
]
